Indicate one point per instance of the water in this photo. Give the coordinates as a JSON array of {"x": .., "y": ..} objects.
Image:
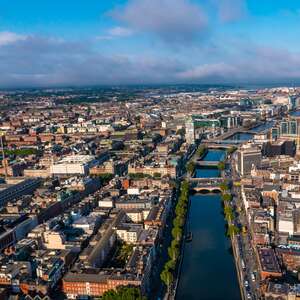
[
  {"x": 211, "y": 155},
  {"x": 207, "y": 172},
  {"x": 239, "y": 136},
  {"x": 208, "y": 270},
  {"x": 214, "y": 155},
  {"x": 295, "y": 113},
  {"x": 263, "y": 127}
]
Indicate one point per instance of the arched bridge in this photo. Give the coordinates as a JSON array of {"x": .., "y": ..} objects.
[
  {"x": 206, "y": 184},
  {"x": 209, "y": 188}
]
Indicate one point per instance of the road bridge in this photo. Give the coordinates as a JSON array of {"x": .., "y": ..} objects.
[
  {"x": 210, "y": 163},
  {"x": 209, "y": 189},
  {"x": 211, "y": 180}
]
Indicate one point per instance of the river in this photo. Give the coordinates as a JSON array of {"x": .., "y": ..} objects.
[{"x": 208, "y": 269}]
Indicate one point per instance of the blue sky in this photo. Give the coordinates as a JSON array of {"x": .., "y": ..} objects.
[{"x": 59, "y": 43}]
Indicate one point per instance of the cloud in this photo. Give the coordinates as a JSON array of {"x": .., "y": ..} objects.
[
  {"x": 116, "y": 32},
  {"x": 120, "y": 31},
  {"x": 40, "y": 61},
  {"x": 230, "y": 10},
  {"x": 173, "y": 21},
  {"x": 254, "y": 64},
  {"x": 7, "y": 37},
  {"x": 44, "y": 62}
]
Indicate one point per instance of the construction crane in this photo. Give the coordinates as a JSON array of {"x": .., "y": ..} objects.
[{"x": 4, "y": 161}]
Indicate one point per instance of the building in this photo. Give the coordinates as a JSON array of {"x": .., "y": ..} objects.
[
  {"x": 279, "y": 148},
  {"x": 247, "y": 157},
  {"x": 15, "y": 191},
  {"x": 268, "y": 264},
  {"x": 95, "y": 284},
  {"x": 73, "y": 165}
]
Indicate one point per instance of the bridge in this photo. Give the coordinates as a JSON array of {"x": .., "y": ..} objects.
[
  {"x": 210, "y": 185},
  {"x": 211, "y": 180},
  {"x": 210, "y": 163},
  {"x": 209, "y": 188},
  {"x": 231, "y": 143}
]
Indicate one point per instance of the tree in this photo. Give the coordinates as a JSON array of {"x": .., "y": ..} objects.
[
  {"x": 171, "y": 265},
  {"x": 178, "y": 222},
  {"x": 173, "y": 253},
  {"x": 181, "y": 131},
  {"x": 124, "y": 293},
  {"x": 231, "y": 150},
  {"x": 190, "y": 167},
  {"x": 221, "y": 165},
  {"x": 226, "y": 197},
  {"x": 167, "y": 277},
  {"x": 180, "y": 209},
  {"x": 105, "y": 178},
  {"x": 224, "y": 187},
  {"x": 177, "y": 233},
  {"x": 228, "y": 213},
  {"x": 201, "y": 150},
  {"x": 232, "y": 229}
]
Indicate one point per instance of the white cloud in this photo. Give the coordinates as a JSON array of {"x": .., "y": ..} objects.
[
  {"x": 120, "y": 32},
  {"x": 7, "y": 37}
]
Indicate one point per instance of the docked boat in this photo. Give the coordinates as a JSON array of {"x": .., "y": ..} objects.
[{"x": 189, "y": 237}]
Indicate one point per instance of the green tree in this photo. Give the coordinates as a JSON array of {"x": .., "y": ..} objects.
[
  {"x": 221, "y": 165},
  {"x": 173, "y": 253},
  {"x": 231, "y": 150},
  {"x": 178, "y": 221},
  {"x": 177, "y": 234},
  {"x": 226, "y": 197},
  {"x": 124, "y": 293},
  {"x": 190, "y": 167},
  {"x": 167, "y": 277},
  {"x": 232, "y": 229},
  {"x": 201, "y": 150},
  {"x": 171, "y": 265},
  {"x": 224, "y": 186}
]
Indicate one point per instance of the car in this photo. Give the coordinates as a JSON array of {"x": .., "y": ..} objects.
[
  {"x": 249, "y": 296},
  {"x": 253, "y": 276},
  {"x": 246, "y": 283}
]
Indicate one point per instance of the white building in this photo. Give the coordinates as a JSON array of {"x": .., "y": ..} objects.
[{"x": 73, "y": 165}]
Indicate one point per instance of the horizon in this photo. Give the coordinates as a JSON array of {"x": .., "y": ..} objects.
[{"x": 148, "y": 42}]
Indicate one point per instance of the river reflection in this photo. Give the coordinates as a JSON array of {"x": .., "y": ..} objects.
[{"x": 208, "y": 269}]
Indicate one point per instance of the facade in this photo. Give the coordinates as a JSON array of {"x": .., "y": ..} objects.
[
  {"x": 15, "y": 191},
  {"x": 248, "y": 156},
  {"x": 73, "y": 165},
  {"x": 96, "y": 285}
]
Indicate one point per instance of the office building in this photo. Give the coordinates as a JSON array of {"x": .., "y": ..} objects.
[{"x": 248, "y": 156}]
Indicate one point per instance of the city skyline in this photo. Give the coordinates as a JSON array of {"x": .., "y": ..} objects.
[{"x": 53, "y": 44}]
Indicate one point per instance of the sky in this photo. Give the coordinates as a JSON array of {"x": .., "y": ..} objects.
[{"x": 53, "y": 43}]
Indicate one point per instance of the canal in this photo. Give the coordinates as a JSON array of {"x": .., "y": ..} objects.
[{"x": 208, "y": 269}]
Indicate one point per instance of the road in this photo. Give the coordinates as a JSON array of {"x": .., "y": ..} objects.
[{"x": 246, "y": 257}]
